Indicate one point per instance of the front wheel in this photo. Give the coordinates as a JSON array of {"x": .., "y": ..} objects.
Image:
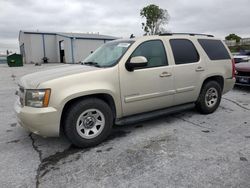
[
  {"x": 88, "y": 122},
  {"x": 209, "y": 98}
]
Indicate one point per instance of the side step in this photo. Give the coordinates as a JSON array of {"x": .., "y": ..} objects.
[{"x": 150, "y": 115}]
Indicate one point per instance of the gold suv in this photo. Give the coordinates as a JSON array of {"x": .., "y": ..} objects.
[{"x": 126, "y": 81}]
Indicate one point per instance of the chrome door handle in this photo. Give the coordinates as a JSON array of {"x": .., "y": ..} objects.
[
  {"x": 199, "y": 69},
  {"x": 165, "y": 74}
]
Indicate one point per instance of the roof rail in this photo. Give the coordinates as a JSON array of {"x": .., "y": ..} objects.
[{"x": 191, "y": 34}]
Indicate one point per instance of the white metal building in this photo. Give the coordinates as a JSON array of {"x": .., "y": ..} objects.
[
  {"x": 243, "y": 41},
  {"x": 58, "y": 47}
]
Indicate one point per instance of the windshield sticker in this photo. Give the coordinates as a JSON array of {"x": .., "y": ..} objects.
[{"x": 123, "y": 45}]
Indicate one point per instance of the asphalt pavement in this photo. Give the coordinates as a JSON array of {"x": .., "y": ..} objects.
[{"x": 186, "y": 149}]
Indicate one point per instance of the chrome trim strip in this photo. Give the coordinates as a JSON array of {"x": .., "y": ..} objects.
[
  {"x": 185, "y": 89},
  {"x": 138, "y": 97}
]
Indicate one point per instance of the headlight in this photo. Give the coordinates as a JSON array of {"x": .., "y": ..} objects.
[{"x": 37, "y": 97}]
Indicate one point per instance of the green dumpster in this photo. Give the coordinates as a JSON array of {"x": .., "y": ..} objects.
[{"x": 15, "y": 60}]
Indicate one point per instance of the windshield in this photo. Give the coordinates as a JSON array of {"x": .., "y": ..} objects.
[{"x": 108, "y": 54}]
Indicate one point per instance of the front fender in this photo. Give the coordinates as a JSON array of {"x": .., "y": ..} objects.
[
  {"x": 101, "y": 81},
  {"x": 73, "y": 96}
]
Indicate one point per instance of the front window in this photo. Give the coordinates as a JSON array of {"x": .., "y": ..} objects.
[
  {"x": 108, "y": 54},
  {"x": 154, "y": 51}
]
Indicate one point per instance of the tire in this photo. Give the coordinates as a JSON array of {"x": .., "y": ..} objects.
[
  {"x": 209, "y": 98},
  {"x": 88, "y": 122}
]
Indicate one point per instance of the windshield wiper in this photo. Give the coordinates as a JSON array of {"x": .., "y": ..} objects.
[{"x": 91, "y": 63}]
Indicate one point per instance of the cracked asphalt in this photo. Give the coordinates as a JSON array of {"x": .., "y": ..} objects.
[{"x": 181, "y": 150}]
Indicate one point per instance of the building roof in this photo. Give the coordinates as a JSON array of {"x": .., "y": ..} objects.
[
  {"x": 85, "y": 35},
  {"x": 73, "y": 35}
]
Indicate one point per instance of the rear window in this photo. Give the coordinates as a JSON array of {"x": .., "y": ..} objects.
[
  {"x": 184, "y": 51},
  {"x": 214, "y": 49}
]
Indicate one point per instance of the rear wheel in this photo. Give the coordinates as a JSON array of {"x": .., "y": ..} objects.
[
  {"x": 88, "y": 122},
  {"x": 209, "y": 98}
]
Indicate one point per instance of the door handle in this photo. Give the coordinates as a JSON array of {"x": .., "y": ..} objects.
[
  {"x": 199, "y": 69},
  {"x": 165, "y": 74}
]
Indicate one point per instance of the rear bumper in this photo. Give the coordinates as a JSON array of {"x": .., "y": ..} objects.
[
  {"x": 41, "y": 121},
  {"x": 228, "y": 84},
  {"x": 243, "y": 80}
]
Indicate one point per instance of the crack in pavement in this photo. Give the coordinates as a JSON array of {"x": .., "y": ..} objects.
[
  {"x": 190, "y": 122},
  {"x": 49, "y": 162},
  {"x": 38, "y": 171},
  {"x": 238, "y": 104}
]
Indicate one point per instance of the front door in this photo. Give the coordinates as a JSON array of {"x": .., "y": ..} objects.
[{"x": 151, "y": 87}]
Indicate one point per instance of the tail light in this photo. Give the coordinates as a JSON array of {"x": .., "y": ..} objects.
[{"x": 233, "y": 68}]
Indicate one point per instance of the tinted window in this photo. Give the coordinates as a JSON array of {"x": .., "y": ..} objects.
[
  {"x": 214, "y": 49},
  {"x": 184, "y": 51},
  {"x": 154, "y": 51}
]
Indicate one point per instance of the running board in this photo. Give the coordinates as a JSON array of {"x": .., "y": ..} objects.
[{"x": 150, "y": 115}]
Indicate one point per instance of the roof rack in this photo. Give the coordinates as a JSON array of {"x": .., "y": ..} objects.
[{"x": 191, "y": 34}]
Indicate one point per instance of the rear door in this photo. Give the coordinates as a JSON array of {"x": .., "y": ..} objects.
[{"x": 188, "y": 70}]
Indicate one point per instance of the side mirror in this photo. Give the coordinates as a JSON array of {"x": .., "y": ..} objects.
[{"x": 136, "y": 62}]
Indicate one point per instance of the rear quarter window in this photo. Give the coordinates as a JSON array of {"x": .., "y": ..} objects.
[{"x": 214, "y": 49}]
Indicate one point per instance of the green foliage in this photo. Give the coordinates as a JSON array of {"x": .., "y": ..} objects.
[
  {"x": 233, "y": 37},
  {"x": 238, "y": 48},
  {"x": 156, "y": 19}
]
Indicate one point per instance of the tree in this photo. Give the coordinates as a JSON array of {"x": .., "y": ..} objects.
[
  {"x": 233, "y": 37},
  {"x": 156, "y": 19}
]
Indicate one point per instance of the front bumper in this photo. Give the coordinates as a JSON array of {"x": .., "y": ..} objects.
[{"x": 41, "y": 121}]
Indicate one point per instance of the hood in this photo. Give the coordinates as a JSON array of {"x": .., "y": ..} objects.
[
  {"x": 32, "y": 81},
  {"x": 244, "y": 67}
]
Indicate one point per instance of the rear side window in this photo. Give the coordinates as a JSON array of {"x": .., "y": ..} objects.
[
  {"x": 214, "y": 49},
  {"x": 184, "y": 51}
]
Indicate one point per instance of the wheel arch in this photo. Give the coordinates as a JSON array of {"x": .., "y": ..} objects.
[
  {"x": 200, "y": 103},
  {"x": 103, "y": 96},
  {"x": 217, "y": 78}
]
